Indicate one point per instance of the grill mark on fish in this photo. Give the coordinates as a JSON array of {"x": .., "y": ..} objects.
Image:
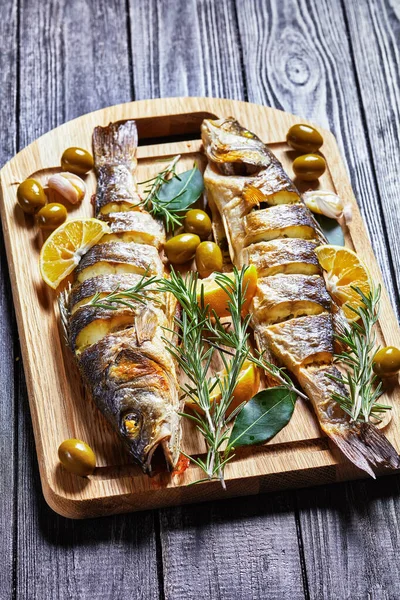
[
  {"x": 121, "y": 353},
  {"x": 303, "y": 344}
]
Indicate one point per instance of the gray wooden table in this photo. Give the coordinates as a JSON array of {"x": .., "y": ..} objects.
[{"x": 335, "y": 62}]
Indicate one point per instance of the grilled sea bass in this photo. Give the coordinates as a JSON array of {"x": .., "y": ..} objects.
[
  {"x": 121, "y": 353},
  {"x": 293, "y": 317}
]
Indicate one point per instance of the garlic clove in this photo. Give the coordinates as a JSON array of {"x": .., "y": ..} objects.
[
  {"x": 69, "y": 186},
  {"x": 347, "y": 213},
  {"x": 324, "y": 202}
]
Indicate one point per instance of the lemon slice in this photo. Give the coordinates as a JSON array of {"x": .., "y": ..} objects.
[
  {"x": 216, "y": 297},
  {"x": 246, "y": 387},
  {"x": 344, "y": 270},
  {"x": 64, "y": 248}
]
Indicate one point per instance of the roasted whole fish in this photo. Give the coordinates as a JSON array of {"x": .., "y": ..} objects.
[
  {"x": 121, "y": 354},
  {"x": 267, "y": 224}
]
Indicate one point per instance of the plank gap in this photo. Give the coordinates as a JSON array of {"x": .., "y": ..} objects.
[
  {"x": 300, "y": 544},
  {"x": 129, "y": 42},
  {"x": 159, "y": 554},
  {"x": 241, "y": 57}
]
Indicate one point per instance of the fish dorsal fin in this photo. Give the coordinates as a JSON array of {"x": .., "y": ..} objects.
[{"x": 146, "y": 324}]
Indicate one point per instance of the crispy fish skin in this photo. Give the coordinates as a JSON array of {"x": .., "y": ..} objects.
[
  {"x": 106, "y": 258},
  {"x": 82, "y": 293},
  {"x": 120, "y": 349},
  {"x": 304, "y": 343},
  {"x": 288, "y": 255},
  {"x": 298, "y": 342},
  {"x": 285, "y": 296},
  {"x": 136, "y": 226},
  {"x": 283, "y": 220},
  {"x": 135, "y": 387}
]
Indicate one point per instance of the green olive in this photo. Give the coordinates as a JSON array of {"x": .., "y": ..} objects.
[
  {"x": 208, "y": 258},
  {"x": 198, "y": 222},
  {"x": 77, "y": 457},
  {"x": 304, "y": 138},
  {"x": 77, "y": 160},
  {"x": 51, "y": 216},
  {"x": 387, "y": 361},
  {"x": 309, "y": 167},
  {"x": 181, "y": 248},
  {"x": 31, "y": 196}
]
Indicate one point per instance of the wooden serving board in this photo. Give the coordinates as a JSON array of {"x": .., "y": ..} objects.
[{"x": 298, "y": 456}]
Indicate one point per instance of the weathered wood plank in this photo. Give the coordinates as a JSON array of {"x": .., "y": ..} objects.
[
  {"x": 377, "y": 65},
  {"x": 61, "y": 559},
  {"x": 192, "y": 48},
  {"x": 297, "y": 57},
  {"x": 74, "y": 59},
  {"x": 185, "y": 48},
  {"x": 8, "y": 144},
  {"x": 245, "y": 548},
  {"x": 351, "y": 537}
]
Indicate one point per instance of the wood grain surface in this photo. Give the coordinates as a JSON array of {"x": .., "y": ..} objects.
[{"x": 335, "y": 530}]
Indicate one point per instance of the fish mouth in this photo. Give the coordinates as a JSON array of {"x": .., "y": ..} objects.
[
  {"x": 168, "y": 439},
  {"x": 164, "y": 441}
]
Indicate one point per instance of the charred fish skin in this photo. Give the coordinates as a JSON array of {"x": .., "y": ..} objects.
[
  {"x": 120, "y": 349},
  {"x": 292, "y": 315}
]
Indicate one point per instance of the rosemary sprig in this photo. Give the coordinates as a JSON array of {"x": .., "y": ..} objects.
[
  {"x": 157, "y": 207},
  {"x": 194, "y": 358},
  {"x": 199, "y": 338},
  {"x": 222, "y": 338},
  {"x": 359, "y": 340},
  {"x": 138, "y": 293}
]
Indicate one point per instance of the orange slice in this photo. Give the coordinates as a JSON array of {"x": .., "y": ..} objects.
[
  {"x": 64, "y": 248},
  {"x": 246, "y": 387},
  {"x": 216, "y": 297},
  {"x": 344, "y": 270}
]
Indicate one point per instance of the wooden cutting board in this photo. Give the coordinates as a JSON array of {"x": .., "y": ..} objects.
[{"x": 298, "y": 456}]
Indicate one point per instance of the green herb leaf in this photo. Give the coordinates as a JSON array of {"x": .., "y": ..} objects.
[
  {"x": 263, "y": 417},
  {"x": 182, "y": 190},
  {"x": 331, "y": 229}
]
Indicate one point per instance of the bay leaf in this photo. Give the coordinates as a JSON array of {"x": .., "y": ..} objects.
[
  {"x": 263, "y": 417},
  {"x": 183, "y": 190},
  {"x": 331, "y": 229}
]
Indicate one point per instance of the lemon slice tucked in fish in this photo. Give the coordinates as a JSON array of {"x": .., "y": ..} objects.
[
  {"x": 65, "y": 247},
  {"x": 344, "y": 271}
]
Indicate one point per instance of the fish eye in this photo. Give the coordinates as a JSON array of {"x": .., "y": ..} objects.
[{"x": 131, "y": 423}]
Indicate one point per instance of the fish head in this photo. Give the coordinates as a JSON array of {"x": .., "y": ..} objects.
[
  {"x": 232, "y": 148},
  {"x": 147, "y": 421}
]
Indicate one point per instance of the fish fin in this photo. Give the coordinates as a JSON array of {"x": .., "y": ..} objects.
[
  {"x": 362, "y": 443},
  {"x": 146, "y": 324},
  {"x": 115, "y": 144},
  {"x": 253, "y": 196},
  {"x": 366, "y": 447}
]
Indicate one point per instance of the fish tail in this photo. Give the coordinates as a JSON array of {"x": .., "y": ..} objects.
[
  {"x": 362, "y": 443},
  {"x": 365, "y": 446},
  {"x": 115, "y": 144}
]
